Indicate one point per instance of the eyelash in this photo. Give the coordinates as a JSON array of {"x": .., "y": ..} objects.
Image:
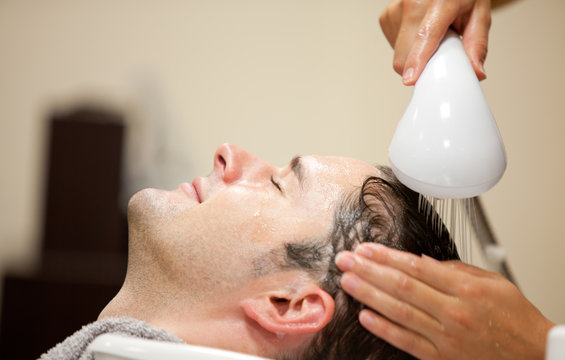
[{"x": 277, "y": 185}]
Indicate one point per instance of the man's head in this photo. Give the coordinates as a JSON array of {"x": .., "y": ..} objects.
[{"x": 244, "y": 259}]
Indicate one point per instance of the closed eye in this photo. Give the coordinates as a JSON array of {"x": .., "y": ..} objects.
[{"x": 277, "y": 185}]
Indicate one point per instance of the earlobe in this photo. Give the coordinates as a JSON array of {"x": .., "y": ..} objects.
[{"x": 308, "y": 310}]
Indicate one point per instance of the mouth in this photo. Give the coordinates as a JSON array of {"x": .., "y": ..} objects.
[
  {"x": 191, "y": 190},
  {"x": 197, "y": 185}
]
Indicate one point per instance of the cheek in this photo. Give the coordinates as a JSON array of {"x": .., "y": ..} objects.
[
  {"x": 258, "y": 220},
  {"x": 238, "y": 214}
]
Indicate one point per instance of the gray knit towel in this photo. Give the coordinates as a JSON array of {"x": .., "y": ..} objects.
[{"x": 74, "y": 347}]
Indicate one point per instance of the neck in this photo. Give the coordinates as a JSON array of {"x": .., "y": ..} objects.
[{"x": 221, "y": 325}]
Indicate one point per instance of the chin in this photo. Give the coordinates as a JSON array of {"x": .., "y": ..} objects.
[
  {"x": 148, "y": 205},
  {"x": 138, "y": 204},
  {"x": 158, "y": 209}
]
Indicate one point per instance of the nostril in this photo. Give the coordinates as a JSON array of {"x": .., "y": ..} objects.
[
  {"x": 228, "y": 162},
  {"x": 221, "y": 161}
]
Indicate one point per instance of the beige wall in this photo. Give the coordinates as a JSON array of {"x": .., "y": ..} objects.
[{"x": 278, "y": 78}]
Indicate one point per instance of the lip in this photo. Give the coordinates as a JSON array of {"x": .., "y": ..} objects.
[
  {"x": 190, "y": 190},
  {"x": 197, "y": 186}
]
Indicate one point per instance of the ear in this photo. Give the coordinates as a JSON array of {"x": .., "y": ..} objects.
[{"x": 306, "y": 311}]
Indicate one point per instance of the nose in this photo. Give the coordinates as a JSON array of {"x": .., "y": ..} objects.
[{"x": 233, "y": 163}]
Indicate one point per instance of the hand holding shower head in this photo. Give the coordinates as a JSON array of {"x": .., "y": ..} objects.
[{"x": 447, "y": 144}]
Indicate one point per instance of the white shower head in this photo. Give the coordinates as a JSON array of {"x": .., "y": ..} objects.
[{"x": 447, "y": 144}]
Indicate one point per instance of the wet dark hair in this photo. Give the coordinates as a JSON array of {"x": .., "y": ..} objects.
[{"x": 382, "y": 211}]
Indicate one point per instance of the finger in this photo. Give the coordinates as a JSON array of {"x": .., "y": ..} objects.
[
  {"x": 398, "y": 311},
  {"x": 475, "y": 37},
  {"x": 390, "y": 21},
  {"x": 427, "y": 270},
  {"x": 470, "y": 269},
  {"x": 397, "y": 284},
  {"x": 398, "y": 336},
  {"x": 412, "y": 14},
  {"x": 431, "y": 31}
]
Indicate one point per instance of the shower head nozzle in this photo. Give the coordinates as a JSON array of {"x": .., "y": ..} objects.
[{"x": 447, "y": 144}]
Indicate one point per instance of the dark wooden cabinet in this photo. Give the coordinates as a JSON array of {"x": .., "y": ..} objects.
[{"x": 84, "y": 244}]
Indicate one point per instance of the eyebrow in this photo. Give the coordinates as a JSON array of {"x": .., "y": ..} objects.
[{"x": 298, "y": 169}]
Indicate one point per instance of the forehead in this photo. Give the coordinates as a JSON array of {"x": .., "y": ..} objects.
[{"x": 341, "y": 171}]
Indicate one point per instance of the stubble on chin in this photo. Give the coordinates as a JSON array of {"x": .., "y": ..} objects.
[{"x": 154, "y": 206}]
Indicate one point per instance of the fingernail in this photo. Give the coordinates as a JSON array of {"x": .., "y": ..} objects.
[
  {"x": 482, "y": 67},
  {"x": 344, "y": 262},
  {"x": 408, "y": 75},
  {"x": 349, "y": 282},
  {"x": 366, "y": 319},
  {"x": 430, "y": 259},
  {"x": 364, "y": 251}
]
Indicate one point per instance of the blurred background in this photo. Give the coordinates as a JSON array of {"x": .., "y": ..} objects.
[{"x": 99, "y": 99}]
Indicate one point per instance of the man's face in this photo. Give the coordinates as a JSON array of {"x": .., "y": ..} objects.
[{"x": 207, "y": 237}]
